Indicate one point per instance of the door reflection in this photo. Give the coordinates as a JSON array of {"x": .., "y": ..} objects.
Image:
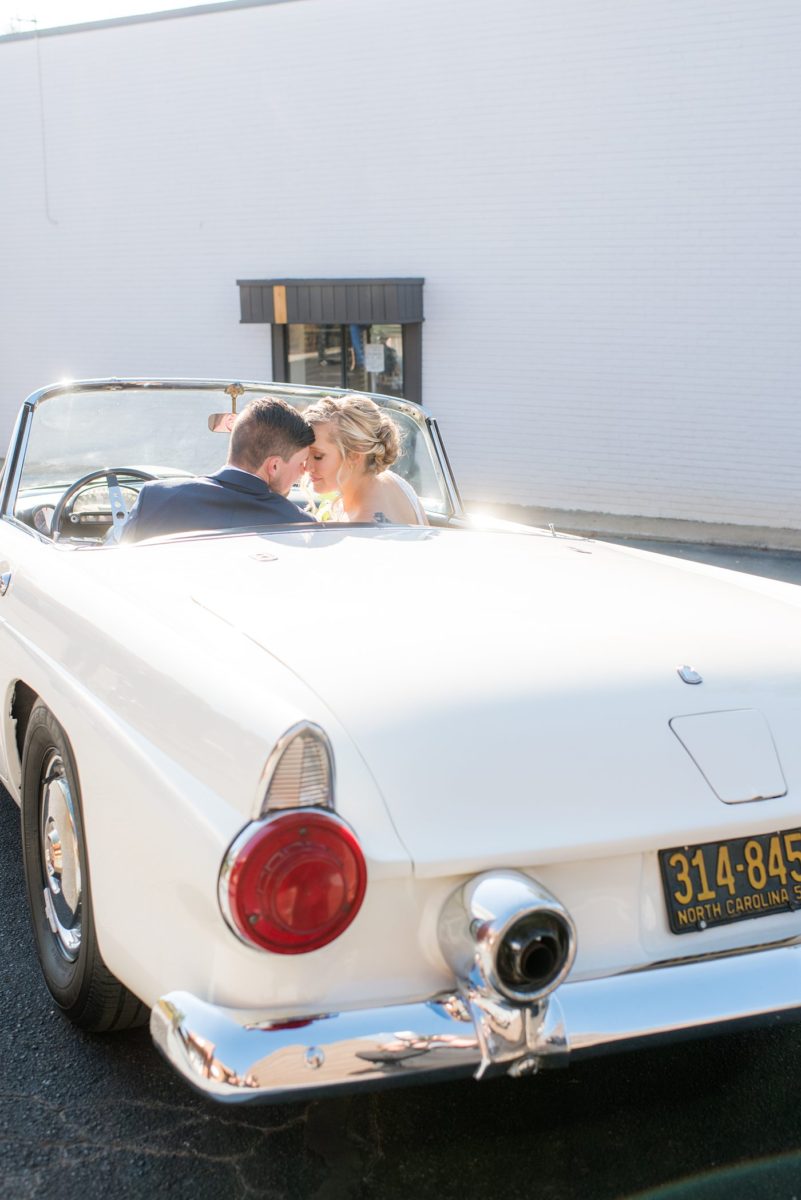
[{"x": 365, "y": 358}]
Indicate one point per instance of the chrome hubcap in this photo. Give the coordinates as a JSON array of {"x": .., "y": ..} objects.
[{"x": 59, "y": 841}]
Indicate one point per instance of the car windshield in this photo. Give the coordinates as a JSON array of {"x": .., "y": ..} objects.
[{"x": 168, "y": 432}]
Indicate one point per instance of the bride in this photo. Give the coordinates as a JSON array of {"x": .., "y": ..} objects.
[{"x": 355, "y": 444}]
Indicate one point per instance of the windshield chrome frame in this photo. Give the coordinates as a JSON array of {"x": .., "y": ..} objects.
[{"x": 9, "y": 486}]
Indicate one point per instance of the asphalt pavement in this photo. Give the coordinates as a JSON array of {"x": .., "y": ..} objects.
[
  {"x": 773, "y": 564},
  {"x": 86, "y": 1118}
]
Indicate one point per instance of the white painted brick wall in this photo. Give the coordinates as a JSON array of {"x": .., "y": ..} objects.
[{"x": 603, "y": 197}]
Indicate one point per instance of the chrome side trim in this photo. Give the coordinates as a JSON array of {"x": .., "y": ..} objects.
[
  {"x": 15, "y": 523},
  {"x": 229, "y": 1057},
  {"x": 663, "y": 964}
]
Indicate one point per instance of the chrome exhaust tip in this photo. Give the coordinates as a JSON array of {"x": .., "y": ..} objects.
[{"x": 509, "y": 935}]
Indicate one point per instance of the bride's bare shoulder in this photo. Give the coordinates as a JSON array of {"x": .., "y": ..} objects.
[{"x": 384, "y": 500}]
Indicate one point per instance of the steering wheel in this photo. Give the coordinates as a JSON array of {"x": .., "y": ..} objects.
[{"x": 119, "y": 511}]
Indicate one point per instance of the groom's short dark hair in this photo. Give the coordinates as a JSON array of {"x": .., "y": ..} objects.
[{"x": 267, "y": 426}]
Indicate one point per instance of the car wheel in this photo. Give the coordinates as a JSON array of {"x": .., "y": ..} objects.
[{"x": 58, "y": 885}]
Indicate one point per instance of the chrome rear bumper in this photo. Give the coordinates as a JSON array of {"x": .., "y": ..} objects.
[{"x": 229, "y": 1059}]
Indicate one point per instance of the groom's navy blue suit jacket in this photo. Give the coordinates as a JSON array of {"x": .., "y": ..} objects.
[{"x": 228, "y": 499}]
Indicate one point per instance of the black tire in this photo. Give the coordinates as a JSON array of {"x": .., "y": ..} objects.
[{"x": 57, "y": 882}]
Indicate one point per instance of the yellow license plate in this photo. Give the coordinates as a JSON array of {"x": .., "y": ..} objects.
[{"x": 720, "y": 882}]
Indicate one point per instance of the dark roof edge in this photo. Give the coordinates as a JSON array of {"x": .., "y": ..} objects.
[
  {"x": 327, "y": 282},
  {"x": 197, "y": 10}
]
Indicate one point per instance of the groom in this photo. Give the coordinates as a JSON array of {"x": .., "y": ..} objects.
[{"x": 267, "y": 454}]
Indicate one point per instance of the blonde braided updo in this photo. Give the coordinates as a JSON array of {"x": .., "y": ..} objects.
[{"x": 358, "y": 426}]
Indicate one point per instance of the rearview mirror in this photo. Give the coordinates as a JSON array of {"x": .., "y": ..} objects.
[{"x": 222, "y": 422}]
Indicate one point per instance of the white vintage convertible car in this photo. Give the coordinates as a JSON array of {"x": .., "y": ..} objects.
[{"x": 340, "y": 805}]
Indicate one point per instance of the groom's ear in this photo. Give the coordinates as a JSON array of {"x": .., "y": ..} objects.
[{"x": 269, "y": 467}]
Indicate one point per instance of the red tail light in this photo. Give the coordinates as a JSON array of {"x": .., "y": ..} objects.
[{"x": 293, "y": 883}]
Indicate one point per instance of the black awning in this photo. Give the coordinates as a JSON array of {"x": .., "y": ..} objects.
[{"x": 330, "y": 301}]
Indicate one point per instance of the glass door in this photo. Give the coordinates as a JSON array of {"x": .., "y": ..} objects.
[{"x": 364, "y": 358}]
